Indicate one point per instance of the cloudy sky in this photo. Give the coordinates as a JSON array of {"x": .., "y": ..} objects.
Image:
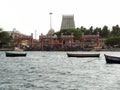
[{"x": 30, "y": 15}]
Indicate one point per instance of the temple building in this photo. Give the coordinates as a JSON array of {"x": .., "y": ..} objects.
[
  {"x": 50, "y": 32},
  {"x": 68, "y": 22}
]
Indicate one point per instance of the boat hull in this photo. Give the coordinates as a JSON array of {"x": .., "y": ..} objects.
[
  {"x": 82, "y": 55},
  {"x": 112, "y": 59},
  {"x": 11, "y": 54}
]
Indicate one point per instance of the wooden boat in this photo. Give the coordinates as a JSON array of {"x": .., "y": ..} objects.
[
  {"x": 82, "y": 55},
  {"x": 112, "y": 59},
  {"x": 15, "y": 54}
]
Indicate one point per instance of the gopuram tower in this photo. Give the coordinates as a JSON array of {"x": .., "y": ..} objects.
[{"x": 68, "y": 22}]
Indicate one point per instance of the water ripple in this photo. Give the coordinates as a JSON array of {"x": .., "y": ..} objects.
[{"x": 55, "y": 71}]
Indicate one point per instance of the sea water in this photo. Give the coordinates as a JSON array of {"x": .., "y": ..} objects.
[{"x": 55, "y": 71}]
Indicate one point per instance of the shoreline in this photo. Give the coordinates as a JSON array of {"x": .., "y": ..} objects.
[
  {"x": 6, "y": 49},
  {"x": 11, "y": 49}
]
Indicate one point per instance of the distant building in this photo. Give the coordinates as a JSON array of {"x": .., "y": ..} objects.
[
  {"x": 68, "y": 22},
  {"x": 102, "y": 42},
  {"x": 50, "y": 32}
]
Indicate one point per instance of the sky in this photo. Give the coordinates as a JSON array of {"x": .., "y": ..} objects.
[{"x": 28, "y": 16}]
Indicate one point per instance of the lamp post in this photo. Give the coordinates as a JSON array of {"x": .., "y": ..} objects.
[{"x": 50, "y": 20}]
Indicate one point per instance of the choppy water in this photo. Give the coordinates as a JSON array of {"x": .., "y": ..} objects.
[{"x": 55, "y": 71}]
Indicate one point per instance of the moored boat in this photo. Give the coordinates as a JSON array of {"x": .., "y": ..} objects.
[
  {"x": 15, "y": 54},
  {"x": 112, "y": 59},
  {"x": 82, "y": 55}
]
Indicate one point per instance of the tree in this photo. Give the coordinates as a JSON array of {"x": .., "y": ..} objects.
[
  {"x": 1, "y": 29},
  {"x": 4, "y": 37},
  {"x": 82, "y": 29},
  {"x": 111, "y": 41},
  {"x": 115, "y": 31},
  {"x": 105, "y": 32},
  {"x": 96, "y": 30},
  {"x": 76, "y": 32},
  {"x": 91, "y": 30}
]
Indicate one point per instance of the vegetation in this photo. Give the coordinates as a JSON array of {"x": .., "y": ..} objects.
[
  {"x": 104, "y": 32},
  {"x": 4, "y": 38},
  {"x": 77, "y": 33},
  {"x": 113, "y": 41},
  {"x": 115, "y": 31},
  {"x": 112, "y": 36}
]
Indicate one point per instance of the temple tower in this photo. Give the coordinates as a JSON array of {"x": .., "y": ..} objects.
[{"x": 68, "y": 22}]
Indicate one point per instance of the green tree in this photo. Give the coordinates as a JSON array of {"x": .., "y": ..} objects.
[
  {"x": 1, "y": 29},
  {"x": 115, "y": 31},
  {"x": 82, "y": 29},
  {"x": 105, "y": 32},
  {"x": 96, "y": 30},
  {"x": 76, "y": 33},
  {"x": 4, "y": 37},
  {"x": 111, "y": 41},
  {"x": 91, "y": 30}
]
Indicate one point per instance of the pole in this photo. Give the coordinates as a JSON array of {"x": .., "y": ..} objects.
[
  {"x": 35, "y": 33},
  {"x": 50, "y": 20}
]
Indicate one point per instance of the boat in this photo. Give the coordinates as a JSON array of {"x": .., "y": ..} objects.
[
  {"x": 15, "y": 54},
  {"x": 82, "y": 55},
  {"x": 112, "y": 59}
]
